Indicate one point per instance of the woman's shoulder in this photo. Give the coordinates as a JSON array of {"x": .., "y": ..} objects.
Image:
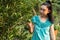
[{"x": 35, "y": 16}]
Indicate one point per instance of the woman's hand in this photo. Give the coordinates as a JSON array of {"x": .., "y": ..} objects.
[
  {"x": 52, "y": 35},
  {"x": 31, "y": 26}
]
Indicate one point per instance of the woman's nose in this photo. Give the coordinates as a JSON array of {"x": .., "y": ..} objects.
[{"x": 41, "y": 11}]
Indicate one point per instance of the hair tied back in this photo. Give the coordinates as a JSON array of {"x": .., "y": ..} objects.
[{"x": 48, "y": 2}]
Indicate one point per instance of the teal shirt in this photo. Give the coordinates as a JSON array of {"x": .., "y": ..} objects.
[{"x": 41, "y": 30}]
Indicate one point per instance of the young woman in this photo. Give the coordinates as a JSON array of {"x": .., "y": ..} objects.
[{"x": 42, "y": 25}]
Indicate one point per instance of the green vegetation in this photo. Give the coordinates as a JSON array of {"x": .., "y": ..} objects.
[{"x": 14, "y": 14}]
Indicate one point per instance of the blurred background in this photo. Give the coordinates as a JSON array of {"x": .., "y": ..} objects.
[{"x": 14, "y": 15}]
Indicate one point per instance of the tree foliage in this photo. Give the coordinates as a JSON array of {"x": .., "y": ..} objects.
[{"x": 14, "y": 14}]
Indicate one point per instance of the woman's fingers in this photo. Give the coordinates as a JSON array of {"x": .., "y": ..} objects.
[{"x": 30, "y": 24}]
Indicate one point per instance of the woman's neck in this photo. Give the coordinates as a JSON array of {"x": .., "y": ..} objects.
[{"x": 43, "y": 16}]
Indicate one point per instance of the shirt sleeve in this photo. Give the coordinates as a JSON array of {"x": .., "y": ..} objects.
[{"x": 33, "y": 19}]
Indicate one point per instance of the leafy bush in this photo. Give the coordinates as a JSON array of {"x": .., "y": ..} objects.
[{"x": 14, "y": 14}]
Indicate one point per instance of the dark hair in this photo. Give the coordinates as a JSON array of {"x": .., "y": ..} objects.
[{"x": 49, "y": 6}]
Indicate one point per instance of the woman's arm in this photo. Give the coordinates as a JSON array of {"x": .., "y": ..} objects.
[
  {"x": 31, "y": 27},
  {"x": 52, "y": 35}
]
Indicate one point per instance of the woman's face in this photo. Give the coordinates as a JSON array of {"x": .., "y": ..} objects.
[{"x": 43, "y": 10}]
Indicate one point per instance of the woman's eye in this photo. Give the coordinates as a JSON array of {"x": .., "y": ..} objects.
[{"x": 42, "y": 9}]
